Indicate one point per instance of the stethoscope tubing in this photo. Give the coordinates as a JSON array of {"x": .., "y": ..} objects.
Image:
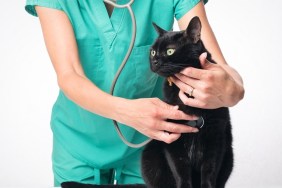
[{"x": 131, "y": 45}]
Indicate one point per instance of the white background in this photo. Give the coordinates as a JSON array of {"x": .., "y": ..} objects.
[{"x": 249, "y": 33}]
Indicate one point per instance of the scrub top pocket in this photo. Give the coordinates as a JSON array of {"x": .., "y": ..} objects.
[
  {"x": 145, "y": 78},
  {"x": 136, "y": 79}
]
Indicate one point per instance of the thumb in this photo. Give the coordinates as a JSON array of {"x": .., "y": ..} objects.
[
  {"x": 172, "y": 112},
  {"x": 203, "y": 60}
]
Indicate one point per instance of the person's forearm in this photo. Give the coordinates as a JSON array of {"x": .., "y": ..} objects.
[
  {"x": 84, "y": 93},
  {"x": 63, "y": 50}
]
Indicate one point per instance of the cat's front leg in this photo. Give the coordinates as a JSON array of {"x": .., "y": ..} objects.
[
  {"x": 179, "y": 164},
  {"x": 208, "y": 175},
  {"x": 213, "y": 156},
  {"x": 155, "y": 170}
]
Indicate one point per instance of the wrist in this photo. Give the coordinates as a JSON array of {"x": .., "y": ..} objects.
[{"x": 119, "y": 109}]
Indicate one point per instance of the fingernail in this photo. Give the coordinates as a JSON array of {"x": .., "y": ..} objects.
[
  {"x": 176, "y": 107},
  {"x": 166, "y": 133},
  {"x": 194, "y": 118},
  {"x": 195, "y": 130},
  {"x": 205, "y": 55}
]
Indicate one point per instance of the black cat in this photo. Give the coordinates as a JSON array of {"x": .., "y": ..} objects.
[{"x": 196, "y": 160}]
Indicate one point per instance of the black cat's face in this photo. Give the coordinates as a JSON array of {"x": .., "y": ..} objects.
[{"x": 174, "y": 51}]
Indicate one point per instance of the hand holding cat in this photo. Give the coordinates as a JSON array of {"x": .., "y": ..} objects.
[
  {"x": 149, "y": 115},
  {"x": 212, "y": 86}
]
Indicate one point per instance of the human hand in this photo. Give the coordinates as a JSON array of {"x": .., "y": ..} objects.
[
  {"x": 149, "y": 115},
  {"x": 211, "y": 87}
]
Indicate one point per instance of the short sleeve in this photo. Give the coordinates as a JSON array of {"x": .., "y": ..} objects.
[
  {"x": 181, "y": 7},
  {"x": 30, "y": 5}
]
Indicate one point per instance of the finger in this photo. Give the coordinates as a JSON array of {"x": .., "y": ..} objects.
[
  {"x": 185, "y": 83},
  {"x": 176, "y": 114},
  {"x": 167, "y": 137},
  {"x": 177, "y": 128},
  {"x": 193, "y": 72},
  {"x": 164, "y": 105},
  {"x": 198, "y": 73},
  {"x": 171, "y": 112},
  {"x": 203, "y": 58},
  {"x": 186, "y": 79},
  {"x": 204, "y": 62},
  {"x": 194, "y": 102}
]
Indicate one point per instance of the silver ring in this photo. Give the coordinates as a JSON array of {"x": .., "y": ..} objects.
[{"x": 191, "y": 92}]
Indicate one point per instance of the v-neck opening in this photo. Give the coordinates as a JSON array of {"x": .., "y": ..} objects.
[
  {"x": 108, "y": 25},
  {"x": 109, "y": 8},
  {"x": 113, "y": 13},
  {"x": 116, "y": 12}
]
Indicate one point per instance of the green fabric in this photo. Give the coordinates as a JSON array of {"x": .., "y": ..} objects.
[
  {"x": 102, "y": 44},
  {"x": 69, "y": 168}
]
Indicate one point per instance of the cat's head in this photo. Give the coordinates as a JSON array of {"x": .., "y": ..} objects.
[{"x": 175, "y": 50}]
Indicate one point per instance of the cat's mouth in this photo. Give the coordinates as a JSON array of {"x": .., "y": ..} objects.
[{"x": 165, "y": 72}]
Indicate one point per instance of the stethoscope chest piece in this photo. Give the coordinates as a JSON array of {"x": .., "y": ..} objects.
[{"x": 199, "y": 123}]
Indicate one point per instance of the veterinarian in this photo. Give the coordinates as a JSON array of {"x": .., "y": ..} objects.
[{"x": 86, "y": 41}]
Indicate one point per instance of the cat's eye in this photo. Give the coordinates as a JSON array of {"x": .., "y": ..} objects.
[
  {"x": 153, "y": 53},
  {"x": 170, "y": 51}
]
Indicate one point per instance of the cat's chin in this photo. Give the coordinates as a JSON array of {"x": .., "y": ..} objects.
[{"x": 165, "y": 74}]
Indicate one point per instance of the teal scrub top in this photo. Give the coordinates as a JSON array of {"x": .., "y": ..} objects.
[{"x": 102, "y": 43}]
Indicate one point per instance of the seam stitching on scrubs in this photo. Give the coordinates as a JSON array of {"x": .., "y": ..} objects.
[
  {"x": 30, "y": 6},
  {"x": 118, "y": 28},
  {"x": 121, "y": 20}
]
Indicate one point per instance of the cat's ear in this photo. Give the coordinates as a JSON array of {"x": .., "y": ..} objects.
[
  {"x": 160, "y": 30},
  {"x": 193, "y": 31}
]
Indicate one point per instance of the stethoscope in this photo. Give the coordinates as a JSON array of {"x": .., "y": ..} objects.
[
  {"x": 198, "y": 123},
  {"x": 128, "y": 6}
]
